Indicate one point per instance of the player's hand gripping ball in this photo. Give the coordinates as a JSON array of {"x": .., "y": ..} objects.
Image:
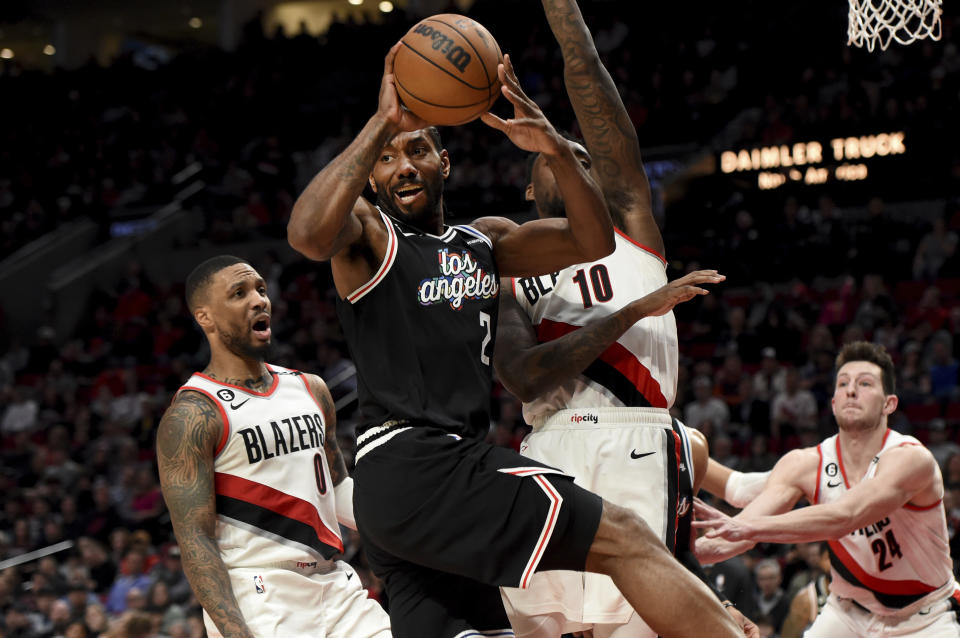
[{"x": 446, "y": 69}]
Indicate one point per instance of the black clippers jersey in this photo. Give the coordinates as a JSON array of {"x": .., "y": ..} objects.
[{"x": 421, "y": 331}]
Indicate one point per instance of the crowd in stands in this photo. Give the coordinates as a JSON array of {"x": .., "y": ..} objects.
[{"x": 807, "y": 271}]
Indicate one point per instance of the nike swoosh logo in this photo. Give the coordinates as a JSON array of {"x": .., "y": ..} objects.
[
  {"x": 634, "y": 455},
  {"x": 829, "y": 484},
  {"x": 234, "y": 407}
]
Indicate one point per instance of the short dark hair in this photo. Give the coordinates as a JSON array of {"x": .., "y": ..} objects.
[
  {"x": 199, "y": 278},
  {"x": 532, "y": 157},
  {"x": 434, "y": 134},
  {"x": 873, "y": 353}
]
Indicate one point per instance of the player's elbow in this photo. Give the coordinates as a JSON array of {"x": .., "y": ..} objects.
[
  {"x": 516, "y": 383},
  {"x": 307, "y": 243},
  {"x": 599, "y": 248}
]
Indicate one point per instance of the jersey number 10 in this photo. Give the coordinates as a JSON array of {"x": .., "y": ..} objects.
[{"x": 599, "y": 283}]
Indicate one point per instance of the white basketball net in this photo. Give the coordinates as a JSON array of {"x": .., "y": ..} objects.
[{"x": 883, "y": 21}]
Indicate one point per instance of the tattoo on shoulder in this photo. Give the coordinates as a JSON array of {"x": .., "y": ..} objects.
[{"x": 188, "y": 425}]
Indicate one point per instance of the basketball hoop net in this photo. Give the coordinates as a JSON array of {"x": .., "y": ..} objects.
[{"x": 882, "y": 21}]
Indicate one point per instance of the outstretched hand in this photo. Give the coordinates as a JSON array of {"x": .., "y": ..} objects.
[
  {"x": 718, "y": 524},
  {"x": 529, "y": 128},
  {"x": 662, "y": 300},
  {"x": 390, "y": 107}
]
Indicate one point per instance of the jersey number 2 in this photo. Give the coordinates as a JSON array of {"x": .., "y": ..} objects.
[
  {"x": 881, "y": 548},
  {"x": 485, "y": 322},
  {"x": 599, "y": 282}
]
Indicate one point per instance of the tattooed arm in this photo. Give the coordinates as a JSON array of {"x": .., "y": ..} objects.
[
  {"x": 186, "y": 440},
  {"x": 342, "y": 483},
  {"x": 528, "y": 369},
  {"x": 338, "y": 468},
  {"x": 606, "y": 126}
]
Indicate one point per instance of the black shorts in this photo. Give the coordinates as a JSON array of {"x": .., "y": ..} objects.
[{"x": 445, "y": 521}]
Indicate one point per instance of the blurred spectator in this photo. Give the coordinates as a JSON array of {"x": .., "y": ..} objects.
[
  {"x": 771, "y": 600},
  {"x": 132, "y": 577},
  {"x": 940, "y": 443},
  {"x": 170, "y": 572},
  {"x": 95, "y": 619},
  {"x": 792, "y": 408},
  {"x": 771, "y": 377},
  {"x": 943, "y": 367},
  {"x": 706, "y": 412},
  {"x": 162, "y": 606},
  {"x": 20, "y": 414},
  {"x": 933, "y": 250}
]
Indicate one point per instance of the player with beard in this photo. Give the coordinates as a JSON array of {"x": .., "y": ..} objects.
[
  {"x": 254, "y": 480},
  {"x": 600, "y": 338},
  {"x": 876, "y": 496},
  {"x": 445, "y": 517}
]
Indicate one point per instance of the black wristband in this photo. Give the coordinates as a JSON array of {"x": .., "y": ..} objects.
[{"x": 727, "y": 603}]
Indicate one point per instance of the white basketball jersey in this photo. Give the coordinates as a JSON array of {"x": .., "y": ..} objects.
[
  {"x": 896, "y": 562},
  {"x": 273, "y": 490},
  {"x": 640, "y": 369}
]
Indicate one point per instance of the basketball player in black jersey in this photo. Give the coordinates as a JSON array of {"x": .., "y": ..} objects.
[{"x": 446, "y": 518}]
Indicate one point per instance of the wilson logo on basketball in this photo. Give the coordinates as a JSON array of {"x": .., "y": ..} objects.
[{"x": 457, "y": 56}]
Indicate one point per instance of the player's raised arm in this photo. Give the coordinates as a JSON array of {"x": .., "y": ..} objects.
[
  {"x": 528, "y": 368},
  {"x": 186, "y": 439},
  {"x": 545, "y": 245},
  {"x": 607, "y": 130},
  {"x": 325, "y": 218}
]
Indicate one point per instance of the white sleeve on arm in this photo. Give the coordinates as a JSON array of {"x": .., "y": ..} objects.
[
  {"x": 743, "y": 487},
  {"x": 343, "y": 493}
]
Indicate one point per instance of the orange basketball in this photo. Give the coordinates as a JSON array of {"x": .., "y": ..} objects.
[{"x": 446, "y": 69}]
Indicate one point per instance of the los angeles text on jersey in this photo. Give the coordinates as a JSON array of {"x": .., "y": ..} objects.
[
  {"x": 461, "y": 277},
  {"x": 285, "y": 436}
]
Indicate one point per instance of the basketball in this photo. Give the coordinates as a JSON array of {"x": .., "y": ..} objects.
[{"x": 446, "y": 69}]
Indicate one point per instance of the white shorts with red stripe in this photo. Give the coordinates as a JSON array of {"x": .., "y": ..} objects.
[
  {"x": 307, "y": 602},
  {"x": 630, "y": 457},
  {"x": 843, "y": 618}
]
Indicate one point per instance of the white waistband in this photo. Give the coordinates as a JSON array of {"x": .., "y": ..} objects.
[
  {"x": 303, "y": 567},
  {"x": 586, "y": 418}
]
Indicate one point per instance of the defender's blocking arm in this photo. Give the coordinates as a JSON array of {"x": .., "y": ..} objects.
[
  {"x": 186, "y": 441},
  {"x": 606, "y": 126},
  {"x": 544, "y": 245}
]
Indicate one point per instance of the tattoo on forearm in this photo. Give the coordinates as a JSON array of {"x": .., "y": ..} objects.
[
  {"x": 605, "y": 123},
  {"x": 580, "y": 348},
  {"x": 331, "y": 448},
  {"x": 186, "y": 438}
]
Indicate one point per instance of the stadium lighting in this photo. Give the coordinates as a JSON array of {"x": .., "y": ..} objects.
[
  {"x": 49, "y": 50},
  {"x": 6, "y": 54},
  {"x": 386, "y": 6},
  {"x": 195, "y": 22},
  {"x": 355, "y": 3}
]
